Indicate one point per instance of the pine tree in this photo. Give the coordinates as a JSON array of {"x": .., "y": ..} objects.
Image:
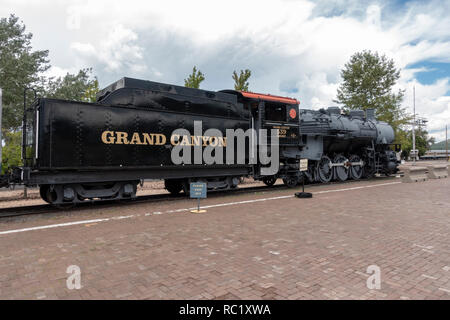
[
  {"x": 20, "y": 67},
  {"x": 194, "y": 79},
  {"x": 240, "y": 82},
  {"x": 368, "y": 81}
]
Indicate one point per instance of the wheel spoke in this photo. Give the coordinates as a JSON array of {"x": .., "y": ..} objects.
[
  {"x": 356, "y": 171},
  {"x": 291, "y": 181},
  {"x": 324, "y": 172},
  {"x": 269, "y": 181}
]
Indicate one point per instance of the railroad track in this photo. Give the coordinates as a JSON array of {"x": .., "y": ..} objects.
[{"x": 88, "y": 205}]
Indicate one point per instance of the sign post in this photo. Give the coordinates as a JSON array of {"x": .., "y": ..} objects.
[
  {"x": 303, "y": 168},
  {"x": 197, "y": 190}
]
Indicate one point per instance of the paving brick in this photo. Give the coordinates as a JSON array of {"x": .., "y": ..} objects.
[{"x": 289, "y": 248}]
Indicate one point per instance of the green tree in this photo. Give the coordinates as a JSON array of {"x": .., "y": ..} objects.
[
  {"x": 368, "y": 81},
  {"x": 11, "y": 153},
  {"x": 90, "y": 95},
  {"x": 240, "y": 82},
  {"x": 20, "y": 67},
  {"x": 194, "y": 79},
  {"x": 405, "y": 138},
  {"x": 75, "y": 87},
  {"x": 80, "y": 87},
  {"x": 431, "y": 142}
]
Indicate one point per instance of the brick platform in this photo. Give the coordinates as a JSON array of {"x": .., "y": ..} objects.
[{"x": 284, "y": 248}]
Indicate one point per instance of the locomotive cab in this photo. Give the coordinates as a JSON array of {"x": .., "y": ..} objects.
[{"x": 278, "y": 116}]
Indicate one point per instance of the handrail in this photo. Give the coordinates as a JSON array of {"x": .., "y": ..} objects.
[{"x": 24, "y": 123}]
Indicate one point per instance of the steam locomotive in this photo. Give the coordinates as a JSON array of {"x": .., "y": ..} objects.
[
  {"x": 353, "y": 145},
  {"x": 77, "y": 151}
]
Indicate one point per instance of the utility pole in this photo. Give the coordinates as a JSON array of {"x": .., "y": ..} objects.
[
  {"x": 414, "y": 125},
  {"x": 1, "y": 111},
  {"x": 446, "y": 143}
]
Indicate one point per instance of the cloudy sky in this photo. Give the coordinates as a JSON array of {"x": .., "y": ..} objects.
[{"x": 293, "y": 47}]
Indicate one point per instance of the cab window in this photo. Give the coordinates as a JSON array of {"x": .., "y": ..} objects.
[{"x": 275, "y": 111}]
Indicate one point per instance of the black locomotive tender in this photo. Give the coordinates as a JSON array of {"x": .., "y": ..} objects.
[{"x": 78, "y": 151}]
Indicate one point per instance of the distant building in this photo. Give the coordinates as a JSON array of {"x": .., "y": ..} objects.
[{"x": 434, "y": 155}]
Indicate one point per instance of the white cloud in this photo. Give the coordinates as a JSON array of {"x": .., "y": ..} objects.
[
  {"x": 57, "y": 72},
  {"x": 84, "y": 49},
  {"x": 283, "y": 42},
  {"x": 294, "y": 48},
  {"x": 73, "y": 19},
  {"x": 116, "y": 51},
  {"x": 373, "y": 15},
  {"x": 431, "y": 103}
]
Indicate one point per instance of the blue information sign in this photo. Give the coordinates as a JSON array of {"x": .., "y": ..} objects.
[{"x": 198, "y": 190}]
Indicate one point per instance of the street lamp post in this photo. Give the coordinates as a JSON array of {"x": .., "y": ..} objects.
[
  {"x": 1, "y": 111},
  {"x": 414, "y": 125},
  {"x": 446, "y": 144}
]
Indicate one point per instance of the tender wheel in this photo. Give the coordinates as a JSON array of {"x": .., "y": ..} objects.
[
  {"x": 173, "y": 186},
  {"x": 269, "y": 181},
  {"x": 43, "y": 192},
  {"x": 48, "y": 194},
  {"x": 290, "y": 182},
  {"x": 355, "y": 172},
  {"x": 324, "y": 171},
  {"x": 340, "y": 173}
]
